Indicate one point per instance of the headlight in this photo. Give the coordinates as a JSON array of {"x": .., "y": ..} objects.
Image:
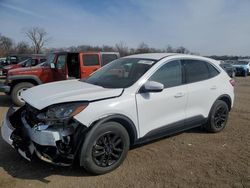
[{"x": 62, "y": 111}]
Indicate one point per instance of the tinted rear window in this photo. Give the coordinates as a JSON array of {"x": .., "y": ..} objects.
[
  {"x": 212, "y": 70},
  {"x": 196, "y": 70}
]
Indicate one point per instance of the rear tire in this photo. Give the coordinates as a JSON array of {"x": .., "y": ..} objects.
[
  {"x": 16, "y": 92},
  {"x": 217, "y": 117},
  {"x": 104, "y": 148},
  {"x": 245, "y": 73}
]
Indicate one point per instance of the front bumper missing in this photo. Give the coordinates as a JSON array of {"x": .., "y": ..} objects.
[{"x": 43, "y": 141}]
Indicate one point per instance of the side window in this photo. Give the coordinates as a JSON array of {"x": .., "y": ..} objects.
[
  {"x": 195, "y": 70},
  {"x": 90, "y": 59},
  {"x": 28, "y": 63},
  {"x": 107, "y": 58},
  {"x": 61, "y": 60},
  {"x": 169, "y": 75},
  {"x": 34, "y": 62},
  {"x": 212, "y": 70}
]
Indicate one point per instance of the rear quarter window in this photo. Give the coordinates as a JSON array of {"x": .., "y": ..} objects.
[{"x": 212, "y": 70}]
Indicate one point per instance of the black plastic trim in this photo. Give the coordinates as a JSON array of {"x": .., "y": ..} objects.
[
  {"x": 131, "y": 128},
  {"x": 226, "y": 96},
  {"x": 172, "y": 128}
]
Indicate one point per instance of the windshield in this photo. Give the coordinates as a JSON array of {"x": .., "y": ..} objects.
[
  {"x": 50, "y": 59},
  {"x": 120, "y": 73},
  {"x": 24, "y": 62},
  {"x": 241, "y": 63}
]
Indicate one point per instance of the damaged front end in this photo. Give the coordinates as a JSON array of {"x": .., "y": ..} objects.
[{"x": 52, "y": 134}]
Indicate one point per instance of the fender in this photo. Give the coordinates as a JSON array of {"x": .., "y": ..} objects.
[
  {"x": 25, "y": 77},
  {"x": 226, "y": 98},
  {"x": 124, "y": 120}
]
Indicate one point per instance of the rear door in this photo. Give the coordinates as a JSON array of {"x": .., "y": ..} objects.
[
  {"x": 203, "y": 88},
  {"x": 90, "y": 62}
]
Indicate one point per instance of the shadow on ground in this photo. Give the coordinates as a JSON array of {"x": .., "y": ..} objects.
[{"x": 4, "y": 100}]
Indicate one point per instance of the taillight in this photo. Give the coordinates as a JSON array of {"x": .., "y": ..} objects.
[{"x": 232, "y": 82}]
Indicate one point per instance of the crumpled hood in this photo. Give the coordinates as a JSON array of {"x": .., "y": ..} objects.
[{"x": 66, "y": 91}]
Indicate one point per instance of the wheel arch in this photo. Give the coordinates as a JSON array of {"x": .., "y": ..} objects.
[
  {"x": 227, "y": 99},
  {"x": 19, "y": 79},
  {"x": 126, "y": 122}
]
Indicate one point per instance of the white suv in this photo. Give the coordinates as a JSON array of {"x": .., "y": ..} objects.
[{"x": 129, "y": 101}]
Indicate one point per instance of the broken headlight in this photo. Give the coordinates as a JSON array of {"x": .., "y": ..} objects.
[{"x": 62, "y": 111}]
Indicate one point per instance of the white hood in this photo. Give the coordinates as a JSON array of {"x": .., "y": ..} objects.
[{"x": 66, "y": 91}]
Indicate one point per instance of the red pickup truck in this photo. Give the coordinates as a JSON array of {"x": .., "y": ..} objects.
[
  {"x": 59, "y": 66},
  {"x": 33, "y": 61}
]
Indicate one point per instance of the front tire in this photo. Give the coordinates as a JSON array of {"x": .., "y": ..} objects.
[
  {"x": 16, "y": 92},
  {"x": 217, "y": 117},
  {"x": 104, "y": 148}
]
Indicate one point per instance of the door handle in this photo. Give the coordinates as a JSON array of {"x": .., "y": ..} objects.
[
  {"x": 178, "y": 95},
  {"x": 213, "y": 88}
]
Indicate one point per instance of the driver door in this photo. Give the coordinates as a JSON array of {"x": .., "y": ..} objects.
[
  {"x": 166, "y": 109},
  {"x": 60, "y": 72}
]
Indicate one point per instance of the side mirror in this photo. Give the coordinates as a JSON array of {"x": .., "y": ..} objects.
[
  {"x": 52, "y": 65},
  {"x": 152, "y": 86}
]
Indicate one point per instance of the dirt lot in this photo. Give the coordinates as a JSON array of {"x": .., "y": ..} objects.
[{"x": 190, "y": 159}]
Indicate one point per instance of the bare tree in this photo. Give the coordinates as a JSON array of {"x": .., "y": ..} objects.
[
  {"x": 182, "y": 50},
  {"x": 38, "y": 36},
  {"x": 169, "y": 49},
  {"x": 122, "y": 48},
  {"x": 23, "y": 48},
  {"x": 6, "y": 45},
  {"x": 142, "y": 48}
]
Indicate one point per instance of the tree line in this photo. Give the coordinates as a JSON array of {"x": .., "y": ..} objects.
[{"x": 39, "y": 38}]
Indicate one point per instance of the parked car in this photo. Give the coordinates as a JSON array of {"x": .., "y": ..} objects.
[
  {"x": 59, "y": 66},
  {"x": 26, "y": 63},
  {"x": 2, "y": 64},
  {"x": 242, "y": 68},
  {"x": 130, "y": 101},
  {"x": 2, "y": 61},
  {"x": 15, "y": 59},
  {"x": 229, "y": 68}
]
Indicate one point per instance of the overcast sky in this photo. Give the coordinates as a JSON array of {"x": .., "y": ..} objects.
[{"x": 204, "y": 26}]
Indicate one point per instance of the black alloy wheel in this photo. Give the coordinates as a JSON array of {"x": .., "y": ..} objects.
[
  {"x": 220, "y": 117},
  {"x": 104, "y": 148},
  {"x": 107, "y": 149}
]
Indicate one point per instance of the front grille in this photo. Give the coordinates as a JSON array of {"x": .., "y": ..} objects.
[{"x": 31, "y": 115}]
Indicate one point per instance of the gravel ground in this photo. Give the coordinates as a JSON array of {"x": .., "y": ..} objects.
[{"x": 190, "y": 159}]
